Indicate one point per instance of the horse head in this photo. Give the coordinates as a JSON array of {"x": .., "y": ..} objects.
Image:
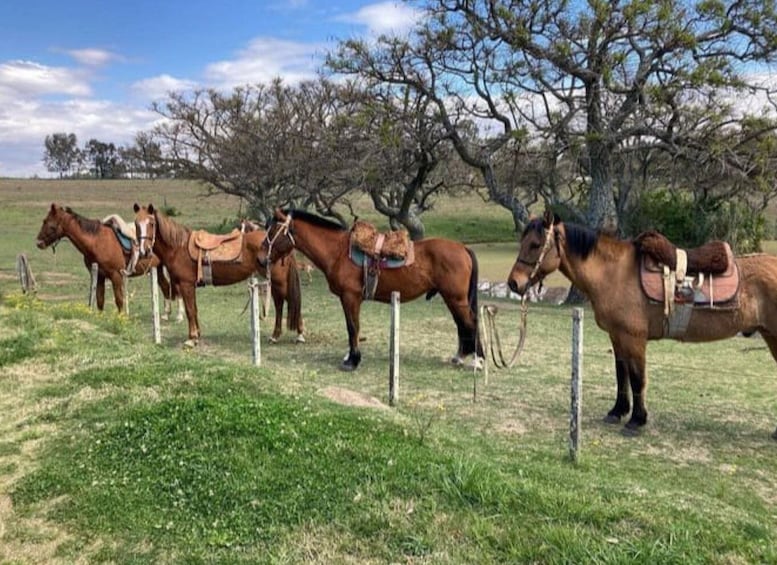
[
  {"x": 51, "y": 231},
  {"x": 279, "y": 241},
  {"x": 145, "y": 228},
  {"x": 538, "y": 254}
]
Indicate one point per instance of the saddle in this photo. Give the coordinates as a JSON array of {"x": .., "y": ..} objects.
[
  {"x": 206, "y": 248},
  {"x": 125, "y": 234},
  {"x": 375, "y": 250},
  {"x": 706, "y": 276}
]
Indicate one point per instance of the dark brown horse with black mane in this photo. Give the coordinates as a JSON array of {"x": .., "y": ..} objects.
[
  {"x": 170, "y": 240},
  {"x": 440, "y": 266},
  {"x": 607, "y": 270},
  {"x": 99, "y": 244}
]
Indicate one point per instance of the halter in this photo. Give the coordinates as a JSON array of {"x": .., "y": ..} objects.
[
  {"x": 152, "y": 237},
  {"x": 549, "y": 240},
  {"x": 284, "y": 228}
]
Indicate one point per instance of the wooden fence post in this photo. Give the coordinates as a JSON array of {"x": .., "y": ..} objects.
[
  {"x": 576, "y": 388},
  {"x": 394, "y": 350},
  {"x": 125, "y": 284},
  {"x": 256, "y": 348},
  {"x": 93, "y": 286},
  {"x": 156, "y": 329}
]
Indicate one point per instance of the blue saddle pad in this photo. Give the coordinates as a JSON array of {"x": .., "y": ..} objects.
[
  {"x": 360, "y": 258},
  {"x": 125, "y": 242}
]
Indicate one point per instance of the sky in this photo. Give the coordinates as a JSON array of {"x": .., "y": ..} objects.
[{"x": 94, "y": 67}]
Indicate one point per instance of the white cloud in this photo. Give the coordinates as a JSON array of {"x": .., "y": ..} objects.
[
  {"x": 389, "y": 18},
  {"x": 24, "y": 79},
  {"x": 92, "y": 57},
  {"x": 265, "y": 59},
  {"x": 157, "y": 88}
]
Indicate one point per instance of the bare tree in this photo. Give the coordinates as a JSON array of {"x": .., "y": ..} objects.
[{"x": 594, "y": 79}]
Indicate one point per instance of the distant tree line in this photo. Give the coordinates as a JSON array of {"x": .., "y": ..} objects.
[
  {"x": 620, "y": 115},
  {"x": 103, "y": 160}
]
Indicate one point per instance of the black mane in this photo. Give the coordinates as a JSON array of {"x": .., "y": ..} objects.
[
  {"x": 314, "y": 219},
  {"x": 86, "y": 224},
  {"x": 580, "y": 240}
]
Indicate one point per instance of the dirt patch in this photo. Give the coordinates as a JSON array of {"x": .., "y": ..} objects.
[{"x": 351, "y": 397}]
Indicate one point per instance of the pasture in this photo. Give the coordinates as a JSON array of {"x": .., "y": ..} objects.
[{"x": 116, "y": 450}]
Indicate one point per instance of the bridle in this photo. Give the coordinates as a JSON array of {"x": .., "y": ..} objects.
[
  {"x": 151, "y": 237},
  {"x": 284, "y": 229},
  {"x": 550, "y": 239}
]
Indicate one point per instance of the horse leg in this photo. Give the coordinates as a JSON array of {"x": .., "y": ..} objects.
[
  {"x": 771, "y": 342},
  {"x": 190, "y": 303},
  {"x": 351, "y": 307},
  {"x": 630, "y": 364},
  {"x": 118, "y": 290},
  {"x": 467, "y": 332},
  {"x": 277, "y": 299},
  {"x": 100, "y": 293},
  {"x": 622, "y": 400}
]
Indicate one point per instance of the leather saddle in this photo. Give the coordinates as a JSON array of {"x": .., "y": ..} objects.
[
  {"x": 206, "y": 248},
  {"x": 703, "y": 276}
]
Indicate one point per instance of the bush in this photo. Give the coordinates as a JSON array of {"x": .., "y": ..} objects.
[{"x": 689, "y": 222}]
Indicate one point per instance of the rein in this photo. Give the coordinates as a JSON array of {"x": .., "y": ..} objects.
[
  {"x": 488, "y": 312},
  {"x": 284, "y": 228}
]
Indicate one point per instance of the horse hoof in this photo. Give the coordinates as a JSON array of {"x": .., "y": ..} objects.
[
  {"x": 347, "y": 367},
  {"x": 611, "y": 419},
  {"x": 457, "y": 361},
  {"x": 165, "y": 317},
  {"x": 190, "y": 343},
  {"x": 300, "y": 338},
  {"x": 273, "y": 339},
  {"x": 476, "y": 364}
]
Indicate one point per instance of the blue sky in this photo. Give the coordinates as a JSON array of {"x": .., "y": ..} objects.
[{"x": 93, "y": 67}]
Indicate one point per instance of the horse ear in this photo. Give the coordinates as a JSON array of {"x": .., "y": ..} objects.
[
  {"x": 550, "y": 218},
  {"x": 53, "y": 207},
  {"x": 150, "y": 208},
  {"x": 136, "y": 207},
  {"x": 279, "y": 214}
]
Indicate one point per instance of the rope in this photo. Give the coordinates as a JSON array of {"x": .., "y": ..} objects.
[
  {"x": 493, "y": 343},
  {"x": 26, "y": 278}
]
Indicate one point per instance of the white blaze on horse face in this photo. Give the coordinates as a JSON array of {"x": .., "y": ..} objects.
[{"x": 144, "y": 238}]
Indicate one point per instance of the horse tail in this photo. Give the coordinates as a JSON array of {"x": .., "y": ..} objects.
[
  {"x": 431, "y": 294},
  {"x": 473, "y": 299},
  {"x": 293, "y": 296}
]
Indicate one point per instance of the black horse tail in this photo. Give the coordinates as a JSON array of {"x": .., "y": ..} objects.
[
  {"x": 431, "y": 294},
  {"x": 294, "y": 297},
  {"x": 473, "y": 303}
]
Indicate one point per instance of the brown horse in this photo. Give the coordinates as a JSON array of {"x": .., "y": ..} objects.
[
  {"x": 169, "y": 240},
  {"x": 440, "y": 265},
  {"x": 606, "y": 269},
  {"x": 98, "y": 243}
]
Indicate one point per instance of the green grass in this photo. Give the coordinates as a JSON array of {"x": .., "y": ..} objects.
[{"x": 117, "y": 450}]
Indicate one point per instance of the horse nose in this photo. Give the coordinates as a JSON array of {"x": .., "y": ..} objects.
[
  {"x": 40, "y": 244},
  {"x": 515, "y": 288}
]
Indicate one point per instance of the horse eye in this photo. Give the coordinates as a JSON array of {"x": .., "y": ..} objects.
[{"x": 534, "y": 246}]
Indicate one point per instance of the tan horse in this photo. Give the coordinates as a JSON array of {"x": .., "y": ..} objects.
[
  {"x": 606, "y": 269},
  {"x": 97, "y": 242},
  {"x": 441, "y": 266},
  {"x": 169, "y": 240}
]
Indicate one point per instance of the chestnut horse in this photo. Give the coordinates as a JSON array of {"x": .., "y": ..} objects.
[
  {"x": 606, "y": 269},
  {"x": 441, "y": 265},
  {"x": 169, "y": 240},
  {"x": 98, "y": 244}
]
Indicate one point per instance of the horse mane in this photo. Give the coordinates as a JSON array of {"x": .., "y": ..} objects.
[
  {"x": 314, "y": 219},
  {"x": 173, "y": 233},
  {"x": 86, "y": 224},
  {"x": 581, "y": 241}
]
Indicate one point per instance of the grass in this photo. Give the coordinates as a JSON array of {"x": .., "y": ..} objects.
[{"x": 117, "y": 450}]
